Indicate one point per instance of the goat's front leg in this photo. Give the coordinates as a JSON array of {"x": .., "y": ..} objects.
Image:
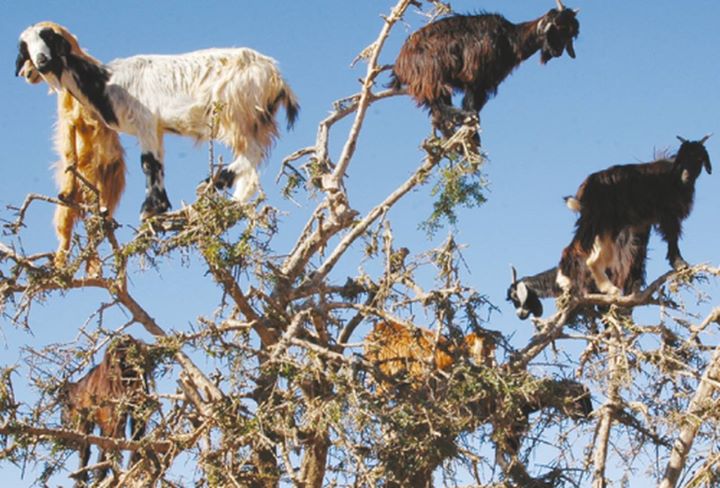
[
  {"x": 156, "y": 200},
  {"x": 670, "y": 230},
  {"x": 84, "y": 455}
]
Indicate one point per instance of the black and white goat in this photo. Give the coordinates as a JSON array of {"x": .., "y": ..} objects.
[
  {"x": 474, "y": 54},
  {"x": 627, "y": 273},
  {"x": 658, "y": 194},
  {"x": 147, "y": 96}
]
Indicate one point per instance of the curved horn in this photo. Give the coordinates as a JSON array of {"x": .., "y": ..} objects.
[
  {"x": 560, "y": 5},
  {"x": 681, "y": 139},
  {"x": 707, "y": 136},
  {"x": 514, "y": 274}
]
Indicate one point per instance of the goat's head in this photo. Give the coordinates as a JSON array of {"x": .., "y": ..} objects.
[
  {"x": 557, "y": 30},
  {"x": 65, "y": 398},
  {"x": 42, "y": 53},
  {"x": 525, "y": 300},
  {"x": 690, "y": 159},
  {"x": 130, "y": 356}
]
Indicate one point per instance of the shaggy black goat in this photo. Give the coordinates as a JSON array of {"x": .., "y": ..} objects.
[
  {"x": 111, "y": 393},
  {"x": 657, "y": 194},
  {"x": 474, "y": 54},
  {"x": 627, "y": 273}
]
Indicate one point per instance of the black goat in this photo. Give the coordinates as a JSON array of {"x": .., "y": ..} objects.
[
  {"x": 107, "y": 396},
  {"x": 474, "y": 54},
  {"x": 627, "y": 273},
  {"x": 657, "y": 194}
]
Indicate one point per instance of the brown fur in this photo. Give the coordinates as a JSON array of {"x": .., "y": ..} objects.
[
  {"x": 397, "y": 349},
  {"x": 108, "y": 396},
  {"x": 94, "y": 150}
]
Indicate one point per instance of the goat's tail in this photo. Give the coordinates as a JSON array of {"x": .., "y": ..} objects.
[
  {"x": 573, "y": 203},
  {"x": 287, "y": 98},
  {"x": 394, "y": 82}
]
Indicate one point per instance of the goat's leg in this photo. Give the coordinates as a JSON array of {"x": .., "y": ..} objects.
[
  {"x": 242, "y": 174},
  {"x": 64, "y": 219},
  {"x": 599, "y": 260},
  {"x": 137, "y": 432},
  {"x": 84, "y": 455},
  {"x": 441, "y": 111},
  {"x": 156, "y": 200},
  {"x": 670, "y": 229},
  {"x": 639, "y": 255}
]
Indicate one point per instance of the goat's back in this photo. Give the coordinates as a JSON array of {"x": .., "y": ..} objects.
[
  {"x": 397, "y": 349},
  {"x": 631, "y": 194},
  {"x": 454, "y": 53}
]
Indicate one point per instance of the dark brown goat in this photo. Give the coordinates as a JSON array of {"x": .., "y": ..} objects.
[
  {"x": 474, "y": 54},
  {"x": 111, "y": 393},
  {"x": 659, "y": 194}
]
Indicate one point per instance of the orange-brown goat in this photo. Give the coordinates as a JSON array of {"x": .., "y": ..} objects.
[
  {"x": 84, "y": 142},
  {"x": 398, "y": 349},
  {"x": 112, "y": 393}
]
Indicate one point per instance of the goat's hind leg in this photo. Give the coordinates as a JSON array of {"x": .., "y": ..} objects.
[
  {"x": 242, "y": 174},
  {"x": 599, "y": 260},
  {"x": 442, "y": 116}
]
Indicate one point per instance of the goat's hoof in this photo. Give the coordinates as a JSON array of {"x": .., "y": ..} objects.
[
  {"x": 93, "y": 267},
  {"x": 60, "y": 259},
  {"x": 155, "y": 203},
  {"x": 222, "y": 180},
  {"x": 612, "y": 290},
  {"x": 680, "y": 264}
]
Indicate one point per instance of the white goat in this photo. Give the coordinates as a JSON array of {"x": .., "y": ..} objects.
[{"x": 147, "y": 96}]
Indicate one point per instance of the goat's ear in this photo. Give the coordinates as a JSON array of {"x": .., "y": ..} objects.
[
  {"x": 708, "y": 166},
  {"x": 57, "y": 43}
]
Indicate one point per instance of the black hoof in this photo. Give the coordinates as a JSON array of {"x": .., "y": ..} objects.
[
  {"x": 155, "y": 203},
  {"x": 223, "y": 180}
]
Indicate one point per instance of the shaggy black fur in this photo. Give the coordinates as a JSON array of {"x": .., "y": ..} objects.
[
  {"x": 658, "y": 194},
  {"x": 474, "y": 54}
]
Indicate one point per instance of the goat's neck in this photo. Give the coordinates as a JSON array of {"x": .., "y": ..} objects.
[
  {"x": 528, "y": 38},
  {"x": 543, "y": 284},
  {"x": 87, "y": 82}
]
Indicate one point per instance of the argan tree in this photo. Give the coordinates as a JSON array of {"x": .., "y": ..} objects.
[{"x": 292, "y": 397}]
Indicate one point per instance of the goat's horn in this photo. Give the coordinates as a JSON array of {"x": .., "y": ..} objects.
[
  {"x": 707, "y": 136},
  {"x": 560, "y": 5},
  {"x": 681, "y": 139},
  {"x": 514, "y": 274}
]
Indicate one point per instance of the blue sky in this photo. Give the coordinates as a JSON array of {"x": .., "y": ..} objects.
[{"x": 645, "y": 72}]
